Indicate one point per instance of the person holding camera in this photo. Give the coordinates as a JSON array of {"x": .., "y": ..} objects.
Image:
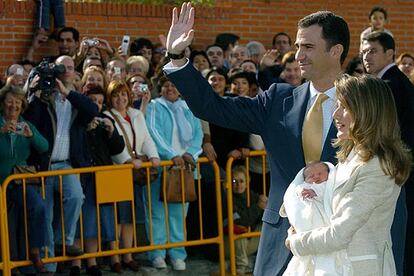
[
  {"x": 141, "y": 95},
  {"x": 58, "y": 117},
  {"x": 102, "y": 140},
  {"x": 17, "y": 139}
]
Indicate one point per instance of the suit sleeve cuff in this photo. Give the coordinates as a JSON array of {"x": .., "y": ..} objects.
[{"x": 169, "y": 68}]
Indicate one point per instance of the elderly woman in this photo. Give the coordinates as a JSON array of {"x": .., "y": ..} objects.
[
  {"x": 17, "y": 138},
  {"x": 178, "y": 136},
  {"x": 130, "y": 123},
  {"x": 373, "y": 165},
  {"x": 137, "y": 65}
]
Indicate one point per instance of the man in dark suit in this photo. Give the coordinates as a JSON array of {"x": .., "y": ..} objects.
[
  {"x": 378, "y": 53},
  {"x": 278, "y": 115}
]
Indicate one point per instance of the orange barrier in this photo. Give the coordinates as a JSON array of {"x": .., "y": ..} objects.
[
  {"x": 249, "y": 234},
  {"x": 108, "y": 192}
]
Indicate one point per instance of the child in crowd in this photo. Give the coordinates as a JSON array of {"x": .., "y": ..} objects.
[
  {"x": 244, "y": 217},
  {"x": 307, "y": 205},
  {"x": 377, "y": 19},
  {"x": 44, "y": 9}
]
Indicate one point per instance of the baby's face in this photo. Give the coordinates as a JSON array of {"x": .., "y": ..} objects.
[{"x": 316, "y": 174}]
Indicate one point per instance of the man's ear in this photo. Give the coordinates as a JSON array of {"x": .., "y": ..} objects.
[
  {"x": 337, "y": 50},
  {"x": 390, "y": 54}
]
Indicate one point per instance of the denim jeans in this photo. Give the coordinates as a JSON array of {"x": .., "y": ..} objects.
[
  {"x": 72, "y": 204},
  {"x": 47, "y": 7}
]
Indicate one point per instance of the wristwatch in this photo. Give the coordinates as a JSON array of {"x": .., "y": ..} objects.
[{"x": 175, "y": 56}]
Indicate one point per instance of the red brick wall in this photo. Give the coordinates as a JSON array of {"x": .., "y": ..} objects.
[{"x": 252, "y": 20}]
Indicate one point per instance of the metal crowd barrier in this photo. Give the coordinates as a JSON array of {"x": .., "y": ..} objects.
[
  {"x": 113, "y": 184},
  {"x": 249, "y": 234}
]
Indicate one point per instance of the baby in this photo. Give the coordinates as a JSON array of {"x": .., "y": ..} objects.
[{"x": 315, "y": 175}]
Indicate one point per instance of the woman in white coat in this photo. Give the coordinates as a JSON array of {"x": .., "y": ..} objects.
[
  {"x": 373, "y": 164},
  {"x": 130, "y": 123}
]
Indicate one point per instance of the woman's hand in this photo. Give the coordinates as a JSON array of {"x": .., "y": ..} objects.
[
  {"x": 209, "y": 151},
  {"x": 262, "y": 202},
  {"x": 84, "y": 47},
  {"x": 236, "y": 154},
  {"x": 178, "y": 161},
  {"x": 155, "y": 162},
  {"x": 137, "y": 163},
  {"x": 104, "y": 45},
  {"x": 291, "y": 231},
  {"x": 9, "y": 126},
  {"x": 27, "y": 132}
]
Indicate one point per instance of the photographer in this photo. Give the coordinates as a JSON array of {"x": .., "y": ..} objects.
[
  {"x": 141, "y": 95},
  {"x": 59, "y": 116}
]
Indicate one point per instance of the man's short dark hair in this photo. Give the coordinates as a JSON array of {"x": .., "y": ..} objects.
[
  {"x": 386, "y": 40},
  {"x": 72, "y": 30},
  {"x": 334, "y": 29},
  {"x": 225, "y": 39},
  {"x": 139, "y": 44},
  {"x": 378, "y": 9},
  {"x": 280, "y": 34}
]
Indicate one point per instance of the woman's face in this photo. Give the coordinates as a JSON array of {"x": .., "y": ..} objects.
[
  {"x": 200, "y": 63},
  {"x": 240, "y": 86},
  {"x": 95, "y": 78},
  {"x": 98, "y": 99},
  {"x": 169, "y": 91},
  {"x": 343, "y": 120},
  {"x": 406, "y": 66},
  {"x": 135, "y": 68},
  {"x": 217, "y": 82},
  {"x": 93, "y": 52},
  {"x": 12, "y": 106},
  {"x": 120, "y": 101}
]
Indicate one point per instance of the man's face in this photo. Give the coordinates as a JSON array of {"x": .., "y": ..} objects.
[
  {"x": 238, "y": 55},
  {"x": 282, "y": 44},
  {"x": 312, "y": 55},
  {"x": 69, "y": 75},
  {"x": 374, "y": 57},
  {"x": 291, "y": 73},
  {"x": 67, "y": 44},
  {"x": 216, "y": 56},
  {"x": 146, "y": 53}
]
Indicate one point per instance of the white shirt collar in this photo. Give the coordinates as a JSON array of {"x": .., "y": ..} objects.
[
  {"x": 385, "y": 69},
  {"x": 331, "y": 92}
]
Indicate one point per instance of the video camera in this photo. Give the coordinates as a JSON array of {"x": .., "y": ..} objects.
[{"x": 48, "y": 72}]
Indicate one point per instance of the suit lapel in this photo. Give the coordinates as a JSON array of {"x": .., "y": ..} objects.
[
  {"x": 328, "y": 152},
  {"x": 294, "y": 110}
]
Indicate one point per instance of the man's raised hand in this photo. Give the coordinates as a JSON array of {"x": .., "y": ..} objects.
[{"x": 181, "y": 33}]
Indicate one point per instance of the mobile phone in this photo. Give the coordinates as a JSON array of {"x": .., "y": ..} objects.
[
  {"x": 117, "y": 70},
  {"x": 125, "y": 44},
  {"x": 19, "y": 72}
]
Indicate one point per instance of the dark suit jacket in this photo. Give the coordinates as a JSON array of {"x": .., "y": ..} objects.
[
  {"x": 277, "y": 116},
  {"x": 402, "y": 236}
]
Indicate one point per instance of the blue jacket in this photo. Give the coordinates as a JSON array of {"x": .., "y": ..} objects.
[
  {"x": 42, "y": 114},
  {"x": 160, "y": 125}
]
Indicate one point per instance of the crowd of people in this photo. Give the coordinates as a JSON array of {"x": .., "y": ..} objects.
[{"x": 93, "y": 104}]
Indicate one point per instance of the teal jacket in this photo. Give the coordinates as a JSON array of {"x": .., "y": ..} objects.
[
  {"x": 15, "y": 149},
  {"x": 160, "y": 125}
]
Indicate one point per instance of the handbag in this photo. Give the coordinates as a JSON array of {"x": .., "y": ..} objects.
[
  {"x": 139, "y": 176},
  {"x": 25, "y": 169},
  {"x": 173, "y": 186}
]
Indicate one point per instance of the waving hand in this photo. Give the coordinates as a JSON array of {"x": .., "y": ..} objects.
[{"x": 181, "y": 33}]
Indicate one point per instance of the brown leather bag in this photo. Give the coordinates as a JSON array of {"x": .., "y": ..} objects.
[
  {"x": 173, "y": 186},
  {"x": 139, "y": 176},
  {"x": 18, "y": 169}
]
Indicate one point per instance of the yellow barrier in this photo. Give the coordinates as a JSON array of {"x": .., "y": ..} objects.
[
  {"x": 249, "y": 234},
  {"x": 107, "y": 192}
]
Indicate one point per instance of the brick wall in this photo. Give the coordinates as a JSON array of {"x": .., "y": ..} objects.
[{"x": 252, "y": 20}]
